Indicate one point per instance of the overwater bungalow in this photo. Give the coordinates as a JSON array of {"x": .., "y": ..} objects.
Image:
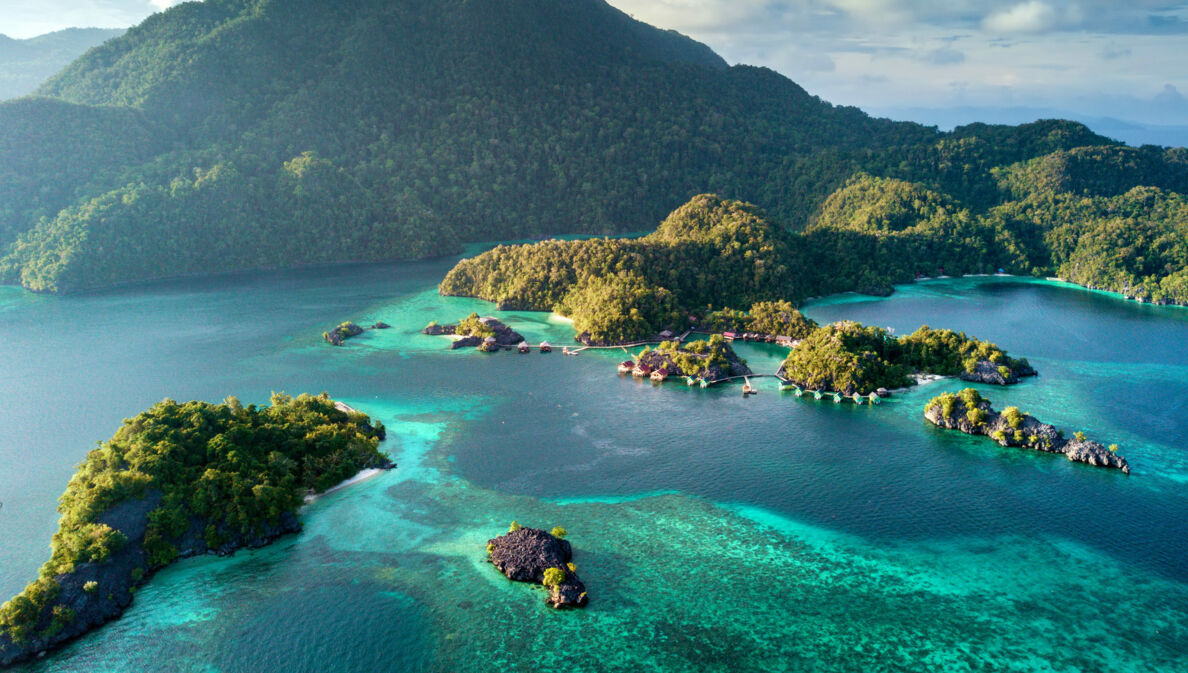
[
  {"x": 641, "y": 370},
  {"x": 875, "y": 399},
  {"x": 748, "y": 389},
  {"x": 660, "y": 375},
  {"x": 690, "y": 381},
  {"x": 730, "y": 336},
  {"x": 546, "y": 347},
  {"x": 490, "y": 345},
  {"x": 626, "y": 366},
  {"x": 524, "y": 347}
]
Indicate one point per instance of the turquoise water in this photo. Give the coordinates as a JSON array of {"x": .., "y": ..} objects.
[{"x": 714, "y": 532}]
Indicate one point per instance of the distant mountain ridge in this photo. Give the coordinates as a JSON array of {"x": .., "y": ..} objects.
[
  {"x": 26, "y": 64},
  {"x": 239, "y": 134}
]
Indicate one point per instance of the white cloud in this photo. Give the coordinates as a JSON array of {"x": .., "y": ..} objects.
[
  {"x": 163, "y": 4},
  {"x": 1027, "y": 17}
]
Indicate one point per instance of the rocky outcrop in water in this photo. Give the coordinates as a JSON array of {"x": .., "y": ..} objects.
[
  {"x": 96, "y": 593},
  {"x": 527, "y": 554},
  {"x": 504, "y": 335},
  {"x": 988, "y": 372},
  {"x": 466, "y": 342},
  {"x": 968, "y": 412},
  {"x": 473, "y": 332},
  {"x": 339, "y": 335}
]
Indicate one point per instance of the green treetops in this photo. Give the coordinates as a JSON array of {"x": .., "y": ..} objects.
[{"x": 228, "y": 466}]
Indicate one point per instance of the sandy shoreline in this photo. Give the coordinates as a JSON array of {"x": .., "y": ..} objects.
[{"x": 363, "y": 475}]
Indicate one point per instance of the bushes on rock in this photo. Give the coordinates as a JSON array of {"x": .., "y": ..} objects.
[{"x": 553, "y": 577}]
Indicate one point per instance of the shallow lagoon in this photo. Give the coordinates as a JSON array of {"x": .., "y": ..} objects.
[{"x": 714, "y": 532}]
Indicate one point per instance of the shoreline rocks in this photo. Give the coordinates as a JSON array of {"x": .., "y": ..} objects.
[
  {"x": 968, "y": 412},
  {"x": 339, "y": 335},
  {"x": 96, "y": 593},
  {"x": 536, "y": 556},
  {"x": 986, "y": 371}
]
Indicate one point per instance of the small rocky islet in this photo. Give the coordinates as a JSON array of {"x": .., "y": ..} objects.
[
  {"x": 487, "y": 334},
  {"x": 348, "y": 330},
  {"x": 972, "y": 414},
  {"x": 539, "y": 557},
  {"x": 712, "y": 360}
]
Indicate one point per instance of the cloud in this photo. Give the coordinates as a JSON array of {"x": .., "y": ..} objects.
[
  {"x": 819, "y": 62},
  {"x": 163, "y": 4},
  {"x": 1115, "y": 52},
  {"x": 944, "y": 56},
  {"x": 1170, "y": 96},
  {"x": 1027, "y": 17}
]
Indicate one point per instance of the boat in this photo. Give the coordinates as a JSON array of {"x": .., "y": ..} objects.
[
  {"x": 546, "y": 347},
  {"x": 626, "y": 366}
]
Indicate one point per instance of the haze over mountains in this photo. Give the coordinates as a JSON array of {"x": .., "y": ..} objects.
[
  {"x": 239, "y": 134},
  {"x": 25, "y": 64}
]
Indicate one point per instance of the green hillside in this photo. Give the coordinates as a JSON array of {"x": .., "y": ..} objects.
[{"x": 239, "y": 134}]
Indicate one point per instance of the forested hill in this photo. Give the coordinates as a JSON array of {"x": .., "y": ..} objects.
[
  {"x": 235, "y": 134},
  {"x": 25, "y": 64}
]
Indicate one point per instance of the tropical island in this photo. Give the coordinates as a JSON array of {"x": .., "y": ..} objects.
[
  {"x": 488, "y": 334},
  {"x": 180, "y": 480},
  {"x": 851, "y": 359},
  {"x": 715, "y": 258},
  {"x": 540, "y": 557},
  {"x": 972, "y": 414},
  {"x": 708, "y": 360}
]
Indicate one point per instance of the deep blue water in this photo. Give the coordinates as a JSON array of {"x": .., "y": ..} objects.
[{"x": 714, "y": 532}]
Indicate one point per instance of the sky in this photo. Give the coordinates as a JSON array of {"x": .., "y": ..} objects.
[
  {"x": 1092, "y": 58},
  {"x": 1110, "y": 58}
]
